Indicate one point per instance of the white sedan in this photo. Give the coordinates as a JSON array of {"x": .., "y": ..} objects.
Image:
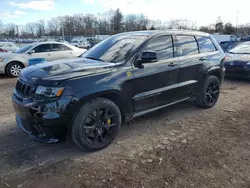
[{"x": 12, "y": 63}]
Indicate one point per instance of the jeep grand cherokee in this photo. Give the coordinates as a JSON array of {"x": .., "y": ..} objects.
[{"x": 123, "y": 77}]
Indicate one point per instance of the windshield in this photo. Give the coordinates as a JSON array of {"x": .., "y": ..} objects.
[
  {"x": 24, "y": 49},
  {"x": 115, "y": 49},
  {"x": 243, "y": 48}
]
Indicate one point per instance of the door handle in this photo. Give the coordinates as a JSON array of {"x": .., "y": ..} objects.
[
  {"x": 203, "y": 59},
  {"x": 48, "y": 54},
  {"x": 172, "y": 64}
]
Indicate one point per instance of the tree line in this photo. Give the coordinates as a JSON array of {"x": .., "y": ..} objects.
[{"x": 111, "y": 22}]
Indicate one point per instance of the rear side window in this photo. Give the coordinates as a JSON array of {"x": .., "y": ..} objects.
[
  {"x": 205, "y": 44},
  {"x": 42, "y": 48},
  {"x": 60, "y": 47},
  {"x": 163, "y": 45},
  {"x": 187, "y": 45}
]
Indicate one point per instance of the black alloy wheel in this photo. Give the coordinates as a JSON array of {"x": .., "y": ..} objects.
[
  {"x": 96, "y": 124},
  {"x": 210, "y": 92},
  {"x": 99, "y": 127}
]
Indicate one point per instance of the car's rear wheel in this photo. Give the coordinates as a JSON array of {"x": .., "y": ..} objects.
[
  {"x": 210, "y": 93},
  {"x": 96, "y": 124},
  {"x": 13, "y": 69}
]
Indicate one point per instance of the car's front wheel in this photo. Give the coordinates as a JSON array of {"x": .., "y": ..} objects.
[
  {"x": 13, "y": 69},
  {"x": 210, "y": 93},
  {"x": 96, "y": 124}
]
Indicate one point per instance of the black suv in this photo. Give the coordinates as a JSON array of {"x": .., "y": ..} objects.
[{"x": 123, "y": 77}]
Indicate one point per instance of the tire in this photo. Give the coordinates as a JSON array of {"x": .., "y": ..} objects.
[
  {"x": 210, "y": 93},
  {"x": 13, "y": 69},
  {"x": 90, "y": 133}
]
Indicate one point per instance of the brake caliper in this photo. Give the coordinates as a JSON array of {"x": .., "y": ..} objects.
[{"x": 108, "y": 121}]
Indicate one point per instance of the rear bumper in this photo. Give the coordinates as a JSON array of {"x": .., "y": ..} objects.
[
  {"x": 44, "y": 121},
  {"x": 2, "y": 67}
]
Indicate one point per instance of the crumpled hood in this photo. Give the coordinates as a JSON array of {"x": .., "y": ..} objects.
[{"x": 60, "y": 70}]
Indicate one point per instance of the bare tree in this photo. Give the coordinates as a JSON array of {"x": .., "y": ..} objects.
[
  {"x": 219, "y": 26},
  {"x": 135, "y": 22},
  {"x": 182, "y": 24},
  {"x": 40, "y": 28},
  {"x": 31, "y": 28},
  {"x": 229, "y": 28},
  {"x": 116, "y": 21},
  {"x": 89, "y": 20},
  {"x": 68, "y": 22},
  {"x": 244, "y": 29},
  {"x": 10, "y": 30},
  {"x": 131, "y": 22},
  {"x": 78, "y": 27}
]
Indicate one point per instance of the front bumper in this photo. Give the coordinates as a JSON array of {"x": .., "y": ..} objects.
[
  {"x": 44, "y": 121},
  {"x": 241, "y": 72},
  {"x": 33, "y": 133}
]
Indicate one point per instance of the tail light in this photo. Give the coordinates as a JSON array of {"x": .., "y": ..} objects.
[{"x": 2, "y": 50}]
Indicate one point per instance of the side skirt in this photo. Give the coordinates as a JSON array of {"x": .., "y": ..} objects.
[{"x": 158, "y": 108}]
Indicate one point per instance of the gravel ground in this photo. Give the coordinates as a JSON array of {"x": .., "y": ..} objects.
[{"x": 182, "y": 146}]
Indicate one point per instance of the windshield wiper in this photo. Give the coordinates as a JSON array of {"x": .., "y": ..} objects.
[{"x": 93, "y": 58}]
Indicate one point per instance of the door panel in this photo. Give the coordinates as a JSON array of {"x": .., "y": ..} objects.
[
  {"x": 42, "y": 51},
  {"x": 41, "y": 55},
  {"x": 155, "y": 85},
  {"x": 59, "y": 55},
  {"x": 60, "y": 51},
  {"x": 152, "y": 85},
  {"x": 190, "y": 70},
  {"x": 190, "y": 64}
]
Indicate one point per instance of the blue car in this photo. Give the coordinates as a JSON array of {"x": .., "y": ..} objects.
[
  {"x": 244, "y": 39},
  {"x": 237, "y": 61}
]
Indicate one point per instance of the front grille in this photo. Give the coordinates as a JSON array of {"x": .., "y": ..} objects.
[{"x": 23, "y": 88}]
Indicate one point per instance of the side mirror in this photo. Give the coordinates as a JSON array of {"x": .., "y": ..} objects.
[
  {"x": 31, "y": 52},
  {"x": 149, "y": 57}
]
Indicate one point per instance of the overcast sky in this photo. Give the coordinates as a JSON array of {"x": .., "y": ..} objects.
[{"x": 203, "y": 12}]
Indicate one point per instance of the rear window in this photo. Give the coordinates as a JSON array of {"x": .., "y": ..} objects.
[
  {"x": 205, "y": 44},
  {"x": 187, "y": 45}
]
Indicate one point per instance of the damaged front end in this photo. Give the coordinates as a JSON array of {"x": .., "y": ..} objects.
[{"x": 44, "y": 119}]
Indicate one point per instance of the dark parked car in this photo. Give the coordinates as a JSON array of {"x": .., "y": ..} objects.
[
  {"x": 244, "y": 39},
  {"x": 227, "y": 45},
  {"x": 122, "y": 77},
  {"x": 237, "y": 61}
]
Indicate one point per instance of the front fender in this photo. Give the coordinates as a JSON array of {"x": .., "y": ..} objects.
[{"x": 214, "y": 69}]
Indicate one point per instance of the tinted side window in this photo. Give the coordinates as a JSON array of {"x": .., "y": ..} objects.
[
  {"x": 205, "y": 44},
  {"x": 60, "y": 47},
  {"x": 187, "y": 45},
  {"x": 42, "y": 48},
  {"x": 163, "y": 45}
]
